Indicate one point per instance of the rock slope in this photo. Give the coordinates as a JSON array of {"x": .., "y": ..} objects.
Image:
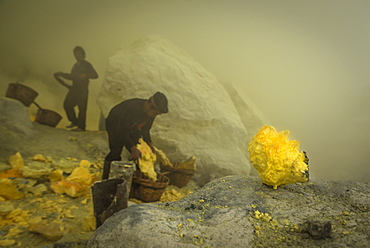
[{"x": 237, "y": 211}]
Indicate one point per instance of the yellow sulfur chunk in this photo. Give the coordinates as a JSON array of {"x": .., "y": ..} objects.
[
  {"x": 147, "y": 160},
  {"x": 73, "y": 189},
  {"x": 163, "y": 159},
  {"x": 173, "y": 193},
  {"x": 56, "y": 175},
  {"x": 39, "y": 157},
  {"x": 188, "y": 164},
  {"x": 82, "y": 176},
  {"x": 16, "y": 161},
  {"x": 262, "y": 216},
  {"x": 85, "y": 163},
  {"x": 8, "y": 190},
  {"x": 277, "y": 160}
]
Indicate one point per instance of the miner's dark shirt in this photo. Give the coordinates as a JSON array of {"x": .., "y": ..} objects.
[
  {"x": 81, "y": 67},
  {"x": 127, "y": 119}
]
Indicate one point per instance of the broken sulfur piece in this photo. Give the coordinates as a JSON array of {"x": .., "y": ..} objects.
[{"x": 276, "y": 158}]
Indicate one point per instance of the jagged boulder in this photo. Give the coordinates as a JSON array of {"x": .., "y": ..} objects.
[
  {"x": 14, "y": 116},
  {"x": 202, "y": 119},
  {"x": 237, "y": 211}
]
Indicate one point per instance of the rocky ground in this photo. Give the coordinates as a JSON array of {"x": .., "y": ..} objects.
[
  {"x": 41, "y": 217},
  {"x": 72, "y": 216}
]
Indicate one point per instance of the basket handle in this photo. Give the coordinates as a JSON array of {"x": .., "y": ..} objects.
[
  {"x": 37, "y": 105},
  {"x": 166, "y": 173}
]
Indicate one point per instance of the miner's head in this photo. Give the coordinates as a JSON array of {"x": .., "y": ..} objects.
[
  {"x": 79, "y": 53},
  {"x": 156, "y": 105}
]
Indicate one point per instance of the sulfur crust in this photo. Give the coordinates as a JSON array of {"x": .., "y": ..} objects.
[{"x": 276, "y": 158}]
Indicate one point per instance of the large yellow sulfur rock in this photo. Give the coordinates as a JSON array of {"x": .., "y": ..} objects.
[
  {"x": 276, "y": 158},
  {"x": 147, "y": 160},
  {"x": 75, "y": 185},
  {"x": 82, "y": 176}
]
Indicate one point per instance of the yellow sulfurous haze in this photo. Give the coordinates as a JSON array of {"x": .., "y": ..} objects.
[{"x": 303, "y": 63}]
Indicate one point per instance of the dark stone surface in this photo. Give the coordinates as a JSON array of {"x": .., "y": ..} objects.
[{"x": 237, "y": 211}]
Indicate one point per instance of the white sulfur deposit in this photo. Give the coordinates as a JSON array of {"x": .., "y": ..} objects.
[{"x": 202, "y": 119}]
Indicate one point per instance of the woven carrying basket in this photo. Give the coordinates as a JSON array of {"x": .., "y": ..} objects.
[
  {"x": 22, "y": 93},
  {"x": 145, "y": 190},
  {"x": 48, "y": 117},
  {"x": 178, "y": 177}
]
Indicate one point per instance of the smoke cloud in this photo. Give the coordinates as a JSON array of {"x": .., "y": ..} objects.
[{"x": 303, "y": 63}]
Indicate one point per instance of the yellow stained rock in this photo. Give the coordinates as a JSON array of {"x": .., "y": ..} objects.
[
  {"x": 8, "y": 190},
  {"x": 56, "y": 175},
  {"x": 147, "y": 160},
  {"x": 11, "y": 173},
  {"x": 85, "y": 163},
  {"x": 13, "y": 232},
  {"x": 39, "y": 157},
  {"x": 34, "y": 171},
  {"x": 73, "y": 189},
  {"x": 89, "y": 224},
  {"x": 17, "y": 216},
  {"x": 34, "y": 220},
  {"x": 50, "y": 231},
  {"x": 276, "y": 158},
  {"x": 7, "y": 242},
  {"x": 16, "y": 161}
]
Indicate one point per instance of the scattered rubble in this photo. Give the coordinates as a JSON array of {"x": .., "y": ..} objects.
[{"x": 43, "y": 201}]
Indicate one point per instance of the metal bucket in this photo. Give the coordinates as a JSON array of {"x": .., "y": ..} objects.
[
  {"x": 123, "y": 170},
  {"x": 48, "y": 117},
  {"x": 22, "y": 93}
]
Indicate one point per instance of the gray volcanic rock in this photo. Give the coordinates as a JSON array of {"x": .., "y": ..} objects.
[
  {"x": 237, "y": 211},
  {"x": 14, "y": 116}
]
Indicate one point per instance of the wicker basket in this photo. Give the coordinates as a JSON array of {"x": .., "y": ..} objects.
[
  {"x": 48, "y": 117},
  {"x": 178, "y": 177},
  {"x": 22, "y": 93},
  {"x": 145, "y": 190}
]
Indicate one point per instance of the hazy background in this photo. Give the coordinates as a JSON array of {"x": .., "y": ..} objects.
[{"x": 305, "y": 64}]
